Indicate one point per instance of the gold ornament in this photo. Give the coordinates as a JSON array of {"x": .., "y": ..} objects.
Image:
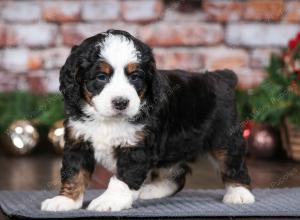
[
  {"x": 56, "y": 136},
  {"x": 21, "y": 137}
]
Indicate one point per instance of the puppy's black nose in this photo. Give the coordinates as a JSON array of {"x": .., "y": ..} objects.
[{"x": 120, "y": 103}]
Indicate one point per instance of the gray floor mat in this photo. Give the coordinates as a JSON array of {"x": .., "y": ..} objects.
[{"x": 188, "y": 203}]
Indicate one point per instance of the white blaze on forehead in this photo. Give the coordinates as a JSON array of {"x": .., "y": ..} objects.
[{"x": 118, "y": 51}]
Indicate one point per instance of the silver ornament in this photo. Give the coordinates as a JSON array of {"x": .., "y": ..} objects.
[
  {"x": 21, "y": 137},
  {"x": 56, "y": 136}
]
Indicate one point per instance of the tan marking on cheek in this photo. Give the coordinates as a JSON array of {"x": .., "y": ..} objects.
[
  {"x": 131, "y": 68},
  {"x": 105, "y": 68},
  {"x": 87, "y": 95},
  {"x": 76, "y": 186},
  {"x": 142, "y": 94}
]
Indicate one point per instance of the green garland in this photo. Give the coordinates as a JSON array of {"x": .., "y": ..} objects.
[
  {"x": 43, "y": 109},
  {"x": 272, "y": 100}
]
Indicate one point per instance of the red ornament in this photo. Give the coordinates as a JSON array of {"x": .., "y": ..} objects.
[
  {"x": 298, "y": 36},
  {"x": 298, "y": 74},
  {"x": 264, "y": 141},
  {"x": 248, "y": 125},
  {"x": 293, "y": 43}
]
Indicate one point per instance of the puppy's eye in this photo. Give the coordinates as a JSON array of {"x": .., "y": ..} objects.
[
  {"x": 102, "y": 77},
  {"x": 134, "y": 77}
]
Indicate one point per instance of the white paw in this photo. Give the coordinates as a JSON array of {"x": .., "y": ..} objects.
[
  {"x": 238, "y": 195},
  {"x": 110, "y": 202},
  {"x": 61, "y": 203},
  {"x": 158, "y": 190}
]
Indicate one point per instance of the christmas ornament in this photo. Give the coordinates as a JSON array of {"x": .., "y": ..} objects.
[
  {"x": 263, "y": 141},
  {"x": 248, "y": 125},
  {"x": 21, "y": 137},
  {"x": 293, "y": 43},
  {"x": 56, "y": 136}
]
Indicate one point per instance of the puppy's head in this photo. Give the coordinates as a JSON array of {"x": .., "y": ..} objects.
[{"x": 108, "y": 76}]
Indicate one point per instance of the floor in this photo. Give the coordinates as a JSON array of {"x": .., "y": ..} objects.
[{"x": 41, "y": 171}]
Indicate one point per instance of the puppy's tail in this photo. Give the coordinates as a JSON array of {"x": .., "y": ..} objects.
[{"x": 228, "y": 76}]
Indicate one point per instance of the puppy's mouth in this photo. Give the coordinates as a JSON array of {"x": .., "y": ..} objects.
[{"x": 119, "y": 114}]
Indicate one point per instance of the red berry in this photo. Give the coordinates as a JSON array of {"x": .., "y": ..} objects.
[
  {"x": 248, "y": 124},
  {"x": 293, "y": 43},
  {"x": 298, "y": 36}
]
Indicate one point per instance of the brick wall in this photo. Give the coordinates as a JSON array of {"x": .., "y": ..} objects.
[{"x": 36, "y": 36}]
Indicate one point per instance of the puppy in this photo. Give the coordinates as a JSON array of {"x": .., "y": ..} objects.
[{"x": 144, "y": 125}]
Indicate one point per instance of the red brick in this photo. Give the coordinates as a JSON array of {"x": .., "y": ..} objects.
[
  {"x": 34, "y": 62},
  {"x": 20, "y": 60},
  {"x": 222, "y": 57},
  {"x": 292, "y": 11},
  {"x": 42, "y": 81},
  {"x": 181, "y": 58},
  {"x": 223, "y": 11},
  {"x": 61, "y": 11},
  {"x": 2, "y": 35},
  {"x": 9, "y": 81},
  {"x": 261, "y": 35},
  {"x": 267, "y": 10},
  {"x": 183, "y": 33},
  {"x": 55, "y": 57},
  {"x": 101, "y": 10},
  {"x": 51, "y": 81},
  {"x": 32, "y": 35},
  {"x": 260, "y": 57},
  {"x": 172, "y": 14},
  {"x": 13, "y": 11},
  {"x": 73, "y": 34},
  {"x": 35, "y": 82},
  {"x": 183, "y": 11},
  {"x": 142, "y": 10},
  {"x": 250, "y": 78}
]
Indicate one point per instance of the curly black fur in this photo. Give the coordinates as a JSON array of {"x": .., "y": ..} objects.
[{"x": 187, "y": 115}]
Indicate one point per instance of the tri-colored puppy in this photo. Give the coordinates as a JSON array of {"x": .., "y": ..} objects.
[{"x": 144, "y": 125}]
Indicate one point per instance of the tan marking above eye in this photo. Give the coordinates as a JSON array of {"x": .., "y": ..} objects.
[
  {"x": 131, "y": 68},
  {"x": 105, "y": 68}
]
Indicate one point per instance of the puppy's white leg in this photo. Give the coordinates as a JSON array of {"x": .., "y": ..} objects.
[
  {"x": 238, "y": 195},
  {"x": 158, "y": 189},
  {"x": 117, "y": 197},
  {"x": 167, "y": 181},
  {"x": 61, "y": 203}
]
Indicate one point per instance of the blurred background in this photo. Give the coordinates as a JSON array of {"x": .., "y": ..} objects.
[{"x": 256, "y": 38}]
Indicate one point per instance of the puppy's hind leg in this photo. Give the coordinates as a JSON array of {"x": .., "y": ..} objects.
[
  {"x": 164, "y": 182},
  {"x": 234, "y": 172}
]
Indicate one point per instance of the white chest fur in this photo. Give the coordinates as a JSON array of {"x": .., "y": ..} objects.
[{"x": 105, "y": 136}]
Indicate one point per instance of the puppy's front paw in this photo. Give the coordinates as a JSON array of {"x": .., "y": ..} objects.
[
  {"x": 61, "y": 203},
  {"x": 238, "y": 195},
  {"x": 110, "y": 202}
]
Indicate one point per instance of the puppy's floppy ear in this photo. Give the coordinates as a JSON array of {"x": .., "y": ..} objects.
[
  {"x": 69, "y": 82},
  {"x": 158, "y": 82}
]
